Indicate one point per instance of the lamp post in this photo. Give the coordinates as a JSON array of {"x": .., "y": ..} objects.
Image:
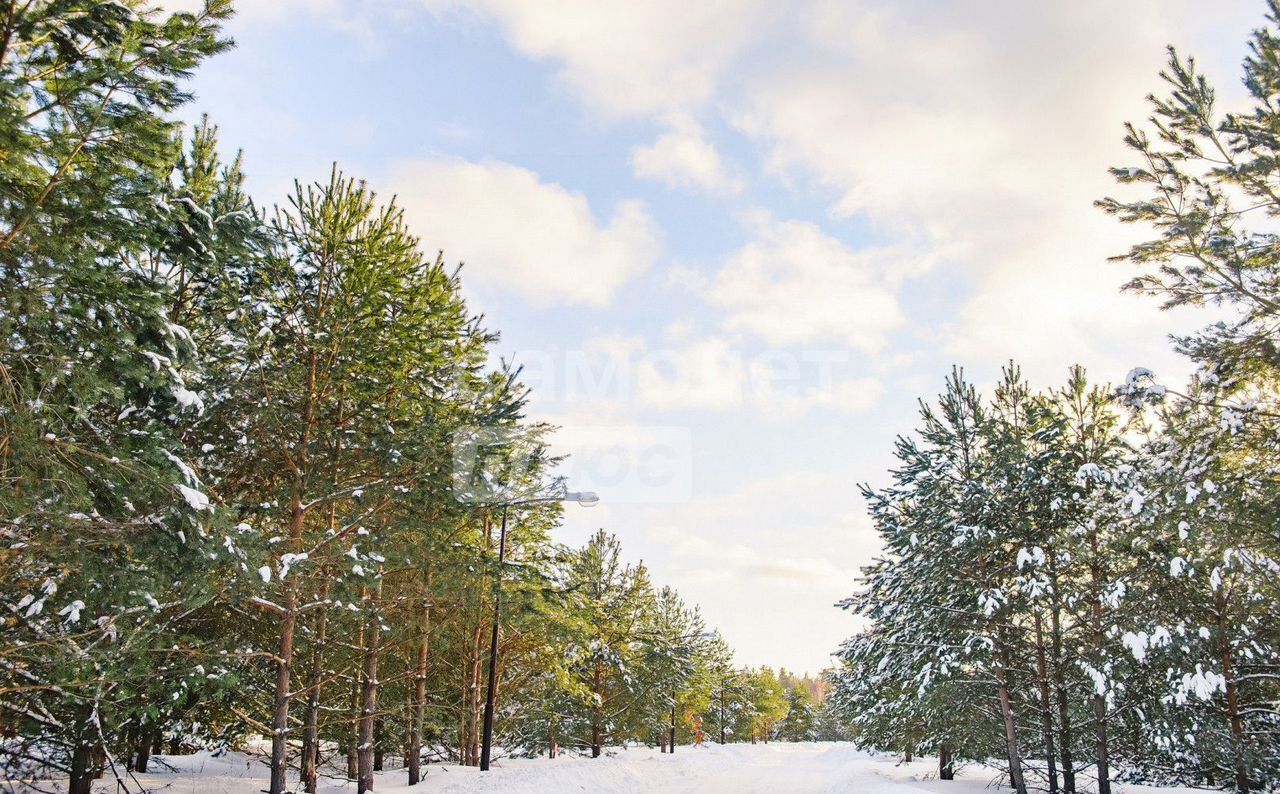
[
  {"x": 725, "y": 688},
  {"x": 672, "y": 742},
  {"x": 584, "y": 498}
]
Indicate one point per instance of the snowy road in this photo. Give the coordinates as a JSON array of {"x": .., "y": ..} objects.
[
  {"x": 740, "y": 768},
  {"x": 807, "y": 768}
]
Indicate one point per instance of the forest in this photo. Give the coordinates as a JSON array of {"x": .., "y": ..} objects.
[
  {"x": 1084, "y": 580},
  {"x": 268, "y": 486},
  {"x": 255, "y": 463}
]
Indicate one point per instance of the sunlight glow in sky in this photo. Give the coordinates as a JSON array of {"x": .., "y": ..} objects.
[{"x": 733, "y": 241}]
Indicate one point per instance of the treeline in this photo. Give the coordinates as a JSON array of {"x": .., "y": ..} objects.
[
  {"x": 758, "y": 705},
  {"x": 1085, "y": 581},
  {"x": 254, "y": 465}
]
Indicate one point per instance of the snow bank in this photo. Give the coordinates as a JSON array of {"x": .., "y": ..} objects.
[{"x": 820, "y": 768}]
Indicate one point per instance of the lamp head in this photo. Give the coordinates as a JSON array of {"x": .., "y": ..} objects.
[{"x": 584, "y": 498}]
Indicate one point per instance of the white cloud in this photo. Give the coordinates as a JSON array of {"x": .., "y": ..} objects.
[
  {"x": 984, "y": 142},
  {"x": 632, "y": 462},
  {"x": 684, "y": 158},
  {"x": 794, "y": 284},
  {"x": 766, "y": 559},
  {"x": 518, "y": 233},
  {"x": 629, "y": 58},
  {"x": 738, "y": 563},
  {"x": 616, "y": 379},
  {"x": 977, "y": 134},
  {"x": 709, "y": 373},
  {"x": 851, "y": 396}
]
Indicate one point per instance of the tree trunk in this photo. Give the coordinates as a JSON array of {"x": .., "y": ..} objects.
[
  {"x": 1046, "y": 708},
  {"x": 353, "y": 735},
  {"x": 1102, "y": 753},
  {"x": 722, "y": 725},
  {"x": 311, "y": 724},
  {"x": 946, "y": 764},
  {"x": 143, "y": 751},
  {"x": 99, "y": 761},
  {"x": 131, "y": 742},
  {"x": 353, "y": 761},
  {"x": 311, "y": 729},
  {"x": 288, "y": 620},
  {"x": 1064, "y": 704},
  {"x": 597, "y": 718},
  {"x": 1100, "y": 743},
  {"x": 153, "y": 740},
  {"x": 81, "y": 772},
  {"x": 1234, "y": 720},
  {"x": 417, "y": 710},
  {"x": 280, "y": 699},
  {"x": 379, "y": 743},
  {"x": 472, "y": 703},
  {"x": 284, "y": 667},
  {"x": 1000, "y": 657},
  {"x": 1010, "y": 723},
  {"x": 369, "y": 693}
]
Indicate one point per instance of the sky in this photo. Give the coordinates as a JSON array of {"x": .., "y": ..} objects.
[{"x": 732, "y": 242}]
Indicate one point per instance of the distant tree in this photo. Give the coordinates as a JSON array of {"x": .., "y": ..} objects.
[{"x": 800, "y": 723}]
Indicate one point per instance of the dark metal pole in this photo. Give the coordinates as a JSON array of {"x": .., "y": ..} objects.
[
  {"x": 722, "y": 685},
  {"x": 673, "y": 725},
  {"x": 486, "y": 742}
]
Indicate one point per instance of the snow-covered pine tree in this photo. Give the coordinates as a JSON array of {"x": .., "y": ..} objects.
[
  {"x": 102, "y": 522},
  {"x": 613, "y": 597},
  {"x": 940, "y": 599},
  {"x": 207, "y": 244},
  {"x": 1211, "y": 636},
  {"x": 1202, "y": 169},
  {"x": 1095, "y": 564},
  {"x": 1205, "y": 175},
  {"x": 800, "y": 724},
  {"x": 359, "y": 338},
  {"x": 721, "y": 680},
  {"x": 670, "y": 643},
  {"x": 1017, "y": 488}
]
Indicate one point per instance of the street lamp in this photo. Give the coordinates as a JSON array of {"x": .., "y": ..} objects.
[{"x": 584, "y": 498}]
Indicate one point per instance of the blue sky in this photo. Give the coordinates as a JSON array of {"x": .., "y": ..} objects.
[{"x": 733, "y": 241}]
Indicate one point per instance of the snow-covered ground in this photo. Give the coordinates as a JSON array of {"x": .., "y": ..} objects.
[{"x": 740, "y": 769}]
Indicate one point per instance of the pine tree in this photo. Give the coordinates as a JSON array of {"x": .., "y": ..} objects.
[
  {"x": 942, "y": 597},
  {"x": 92, "y": 399},
  {"x": 238, "y": 488},
  {"x": 1209, "y": 536},
  {"x": 800, "y": 723},
  {"x": 1096, "y": 563},
  {"x": 613, "y": 598},
  {"x": 1206, "y": 173},
  {"x": 340, "y": 371}
]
